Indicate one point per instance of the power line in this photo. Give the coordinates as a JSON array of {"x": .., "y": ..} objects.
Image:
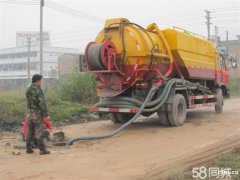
[
  {"x": 225, "y": 21},
  {"x": 231, "y": 8},
  {"x": 74, "y": 12},
  {"x": 225, "y": 27},
  {"x": 19, "y": 2}
]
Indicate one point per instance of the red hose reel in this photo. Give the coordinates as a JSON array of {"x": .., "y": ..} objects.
[{"x": 101, "y": 56}]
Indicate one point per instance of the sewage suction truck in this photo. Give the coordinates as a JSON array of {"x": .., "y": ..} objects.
[{"x": 140, "y": 71}]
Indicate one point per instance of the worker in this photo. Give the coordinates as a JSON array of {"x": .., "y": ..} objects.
[
  {"x": 46, "y": 130},
  {"x": 38, "y": 113}
]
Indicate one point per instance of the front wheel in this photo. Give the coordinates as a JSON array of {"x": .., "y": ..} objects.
[
  {"x": 219, "y": 105},
  {"x": 177, "y": 116}
]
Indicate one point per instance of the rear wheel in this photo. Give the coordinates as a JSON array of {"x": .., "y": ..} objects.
[
  {"x": 120, "y": 117},
  {"x": 219, "y": 105},
  {"x": 113, "y": 118},
  {"x": 163, "y": 118},
  {"x": 124, "y": 117},
  {"x": 177, "y": 116}
]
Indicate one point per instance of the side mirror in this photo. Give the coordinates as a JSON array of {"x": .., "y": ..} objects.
[
  {"x": 234, "y": 65},
  {"x": 234, "y": 62}
]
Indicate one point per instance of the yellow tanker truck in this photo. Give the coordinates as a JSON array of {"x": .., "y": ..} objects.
[{"x": 146, "y": 70}]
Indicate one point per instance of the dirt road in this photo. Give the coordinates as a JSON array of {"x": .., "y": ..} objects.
[{"x": 139, "y": 152}]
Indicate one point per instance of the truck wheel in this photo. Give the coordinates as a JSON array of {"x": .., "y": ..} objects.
[
  {"x": 124, "y": 117},
  {"x": 219, "y": 105},
  {"x": 163, "y": 118},
  {"x": 179, "y": 110},
  {"x": 113, "y": 118}
]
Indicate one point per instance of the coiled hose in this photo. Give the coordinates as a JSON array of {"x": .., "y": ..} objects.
[
  {"x": 149, "y": 97},
  {"x": 126, "y": 102}
]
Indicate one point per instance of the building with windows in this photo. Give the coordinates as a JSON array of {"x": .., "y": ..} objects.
[
  {"x": 14, "y": 61},
  {"x": 14, "y": 65}
]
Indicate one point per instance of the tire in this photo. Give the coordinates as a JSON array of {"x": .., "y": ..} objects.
[
  {"x": 219, "y": 105},
  {"x": 179, "y": 110},
  {"x": 124, "y": 117},
  {"x": 163, "y": 118},
  {"x": 113, "y": 118}
]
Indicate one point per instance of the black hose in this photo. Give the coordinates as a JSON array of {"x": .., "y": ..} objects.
[
  {"x": 149, "y": 96},
  {"x": 94, "y": 57},
  {"x": 133, "y": 102}
]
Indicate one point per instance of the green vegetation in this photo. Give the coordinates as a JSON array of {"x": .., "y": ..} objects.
[
  {"x": 77, "y": 87},
  {"x": 234, "y": 86},
  {"x": 12, "y": 106},
  {"x": 68, "y": 100},
  {"x": 231, "y": 160},
  {"x": 176, "y": 174}
]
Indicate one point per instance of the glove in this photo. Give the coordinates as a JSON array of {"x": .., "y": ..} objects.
[{"x": 48, "y": 123}]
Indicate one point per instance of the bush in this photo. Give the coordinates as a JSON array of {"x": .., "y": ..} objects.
[
  {"x": 68, "y": 99},
  {"x": 12, "y": 106},
  {"x": 78, "y": 87},
  {"x": 234, "y": 86}
]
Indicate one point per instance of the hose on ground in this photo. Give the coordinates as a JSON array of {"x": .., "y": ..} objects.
[{"x": 118, "y": 130}]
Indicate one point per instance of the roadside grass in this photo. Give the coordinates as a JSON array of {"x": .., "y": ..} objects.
[
  {"x": 176, "y": 174},
  {"x": 13, "y": 108},
  {"x": 67, "y": 99},
  {"x": 230, "y": 160},
  {"x": 234, "y": 86}
]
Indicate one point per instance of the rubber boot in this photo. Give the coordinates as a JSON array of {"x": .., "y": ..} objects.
[
  {"x": 42, "y": 147},
  {"x": 34, "y": 143},
  {"x": 29, "y": 148}
]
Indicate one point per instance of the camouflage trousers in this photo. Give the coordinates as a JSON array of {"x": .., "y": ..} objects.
[{"x": 35, "y": 128}]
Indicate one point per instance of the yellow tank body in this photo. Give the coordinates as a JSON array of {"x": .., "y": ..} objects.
[
  {"x": 125, "y": 54},
  {"x": 138, "y": 44},
  {"x": 195, "y": 55}
]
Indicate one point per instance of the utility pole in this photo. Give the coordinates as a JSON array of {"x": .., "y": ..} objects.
[
  {"x": 41, "y": 36},
  {"x": 226, "y": 35},
  {"x": 216, "y": 35},
  {"x": 208, "y": 23},
  {"x": 29, "y": 55}
]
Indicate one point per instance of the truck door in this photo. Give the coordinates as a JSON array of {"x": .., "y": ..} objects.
[{"x": 219, "y": 69}]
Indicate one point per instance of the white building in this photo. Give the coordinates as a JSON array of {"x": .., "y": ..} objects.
[{"x": 14, "y": 61}]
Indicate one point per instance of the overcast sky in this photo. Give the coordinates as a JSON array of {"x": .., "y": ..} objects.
[{"x": 76, "y": 31}]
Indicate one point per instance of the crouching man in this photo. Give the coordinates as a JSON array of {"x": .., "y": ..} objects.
[{"x": 38, "y": 112}]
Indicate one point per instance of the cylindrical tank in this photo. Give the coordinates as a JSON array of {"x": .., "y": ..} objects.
[{"x": 125, "y": 54}]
